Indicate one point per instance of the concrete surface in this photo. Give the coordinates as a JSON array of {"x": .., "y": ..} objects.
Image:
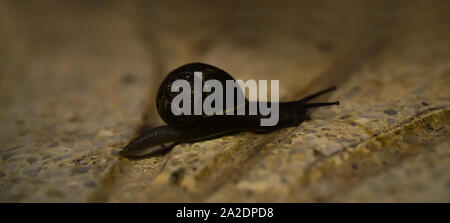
[{"x": 78, "y": 81}]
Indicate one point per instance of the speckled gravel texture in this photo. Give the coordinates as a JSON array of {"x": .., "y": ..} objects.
[{"x": 78, "y": 82}]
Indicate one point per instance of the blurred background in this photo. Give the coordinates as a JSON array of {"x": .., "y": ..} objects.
[{"x": 78, "y": 80}]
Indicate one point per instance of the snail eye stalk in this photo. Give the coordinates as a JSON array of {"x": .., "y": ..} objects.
[{"x": 315, "y": 95}]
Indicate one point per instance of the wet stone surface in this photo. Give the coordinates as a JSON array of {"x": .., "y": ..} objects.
[{"x": 68, "y": 107}]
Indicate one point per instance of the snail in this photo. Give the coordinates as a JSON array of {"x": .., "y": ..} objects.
[{"x": 192, "y": 128}]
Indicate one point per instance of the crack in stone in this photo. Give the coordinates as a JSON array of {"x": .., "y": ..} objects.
[{"x": 335, "y": 166}]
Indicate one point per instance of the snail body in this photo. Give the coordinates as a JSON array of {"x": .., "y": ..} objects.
[{"x": 192, "y": 128}]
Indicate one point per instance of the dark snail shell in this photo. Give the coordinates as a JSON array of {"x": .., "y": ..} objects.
[{"x": 165, "y": 96}]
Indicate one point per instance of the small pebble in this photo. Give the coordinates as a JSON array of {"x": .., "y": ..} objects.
[
  {"x": 128, "y": 79},
  {"x": 32, "y": 171},
  {"x": 90, "y": 184},
  {"x": 390, "y": 112},
  {"x": 392, "y": 121},
  {"x": 105, "y": 133},
  {"x": 32, "y": 160},
  {"x": 51, "y": 145},
  {"x": 80, "y": 170}
]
